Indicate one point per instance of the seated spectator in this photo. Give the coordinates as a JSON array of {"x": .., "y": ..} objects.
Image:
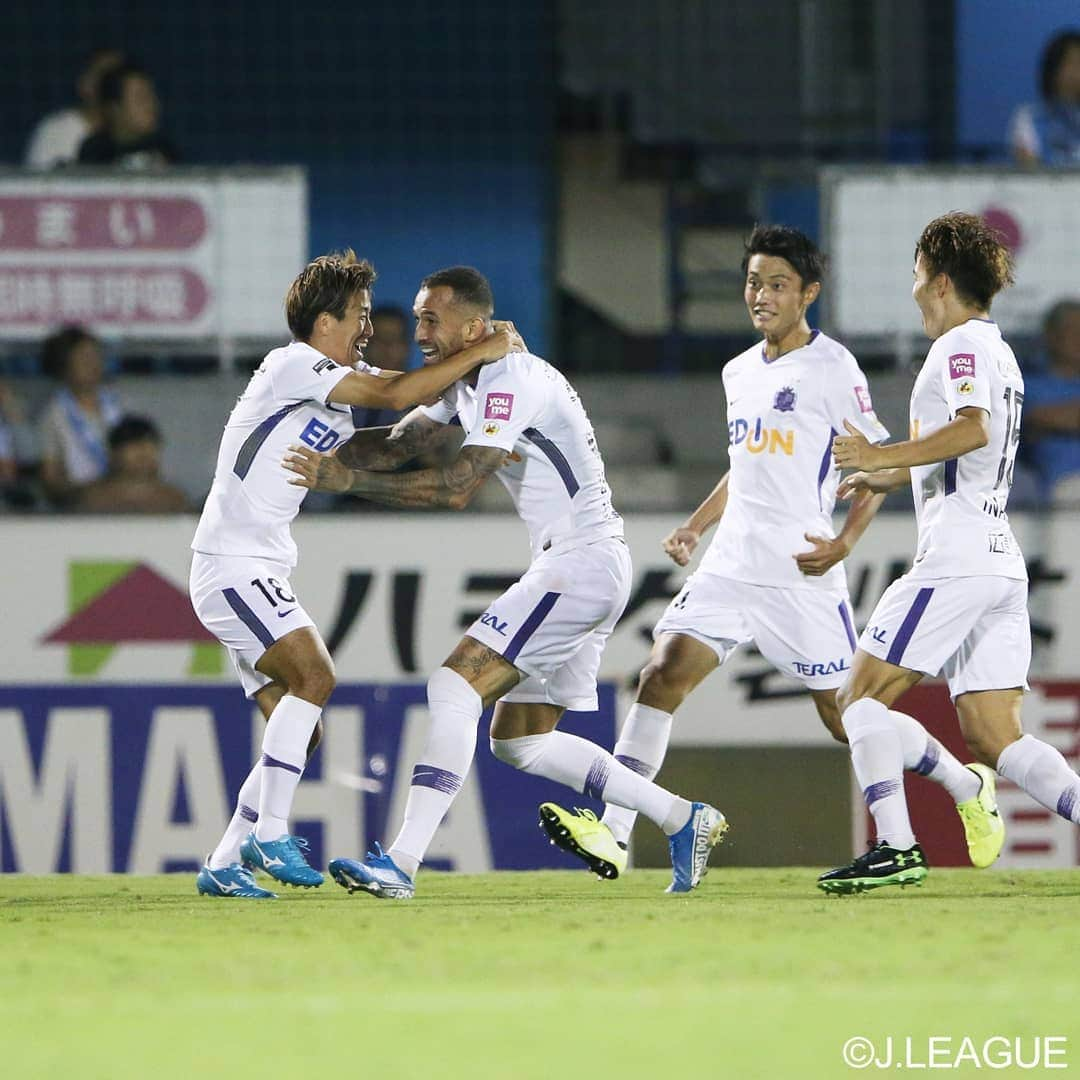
[
  {"x": 130, "y": 135},
  {"x": 133, "y": 484},
  {"x": 1047, "y": 132},
  {"x": 77, "y": 418},
  {"x": 58, "y": 136},
  {"x": 1051, "y": 417}
]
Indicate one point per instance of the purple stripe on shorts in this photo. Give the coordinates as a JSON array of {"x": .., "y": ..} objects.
[
  {"x": 530, "y": 625},
  {"x": 931, "y": 756},
  {"x": 849, "y": 629},
  {"x": 248, "y": 814},
  {"x": 642, "y": 768},
  {"x": 433, "y": 777},
  {"x": 826, "y": 461},
  {"x": 273, "y": 763},
  {"x": 907, "y": 627},
  {"x": 1067, "y": 804},
  {"x": 249, "y": 618},
  {"x": 881, "y": 790},
  {"x": 597, "y": 778}
]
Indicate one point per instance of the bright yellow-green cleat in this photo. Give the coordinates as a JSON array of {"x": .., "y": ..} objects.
[
  {"x": 582, "y": 834},
  {"x": 983, "y": 827}
]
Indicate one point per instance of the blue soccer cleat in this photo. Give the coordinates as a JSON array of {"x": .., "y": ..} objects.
[
  {"x": 691, "y": 845},
  {"x": 232, "y": 881},
  {"x": 378, "y": 874},
  {"x": 283, "y": 859}
]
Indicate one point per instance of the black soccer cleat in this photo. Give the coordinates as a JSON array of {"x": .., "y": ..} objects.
[{"x": 881, "y": 865}]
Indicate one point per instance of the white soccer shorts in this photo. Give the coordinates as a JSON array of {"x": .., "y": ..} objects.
[
  {"x": 805, "y": 633},
  {"x": 553, "y": 624},
  {"x": 247, "y": 604},
  {"x": 973, "y": 630}
]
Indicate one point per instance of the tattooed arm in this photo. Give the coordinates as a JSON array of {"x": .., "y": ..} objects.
[
  {"x": 451, "y": 486},
  {"x": 387, "y": 448}
]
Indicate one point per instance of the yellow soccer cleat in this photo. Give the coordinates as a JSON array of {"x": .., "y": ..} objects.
[
  {"x": 983, "y": 827},
  {"x": 582, "y": 834}
]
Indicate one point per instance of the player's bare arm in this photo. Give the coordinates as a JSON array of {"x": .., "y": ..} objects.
[
  {"x": 387, "y": 448},
  {"x": 451, "y": 486},
  {"x": 968, "y": 430},
  {"x": 879, "y": 483},
  {"x": 826, "y": 551},
  {"x": 679, "y": 545}
]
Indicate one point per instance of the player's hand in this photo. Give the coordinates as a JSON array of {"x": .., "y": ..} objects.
[
  {"x": 826, "y": 553},
  {"x": 858, "y": 482},
  {"x": 855, "y": 451},
  {"x": 502, "y": 340},
  {"x": 680, "y": 543},
  {"x": 319, "y": 472}
]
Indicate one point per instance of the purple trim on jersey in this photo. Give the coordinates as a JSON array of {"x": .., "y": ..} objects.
[
  {"x": 269, "y": 762},
  {"x": 849, "y": 629},
  {"x": 931, "y": 756},
  {"x": 249, "y": 618},
  {"x": 248, "y": 814},
  {"x": 907, "y": 627},
  {"x": 1066, "y": 805},
  {"x": 530, "y": 625},
  {"x": 255, "y": 440},
  {"x": 809, "y": 341},
  {"x": 950, "y": 476},
  {"x": 826, "y": 461},
  {"x": 555, "y": 456},
  {"x": 433, "y": 777},
  {"x": 596, "y": 779},
  {"x": 642, "y": 768},
  {"x": 881, "y": 790}
]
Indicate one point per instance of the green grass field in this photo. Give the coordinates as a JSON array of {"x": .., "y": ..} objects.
[{"x": 523, "y": 976}]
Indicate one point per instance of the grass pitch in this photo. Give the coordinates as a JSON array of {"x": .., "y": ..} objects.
[{"x": 522, "y": 976}]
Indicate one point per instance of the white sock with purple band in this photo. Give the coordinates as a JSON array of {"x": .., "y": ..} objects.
[
  {"x": 591, "y": 770},
  {"x": 643, "y": 742},
  {"x": 924, "y": 755},
  {"x": 284, "y": 755},
  {"x": 455, "y": 709},
  {"x": 241, "y": 823},
  {"x": 1042, "y": 771},
  {"x": 877, "y": 755}
]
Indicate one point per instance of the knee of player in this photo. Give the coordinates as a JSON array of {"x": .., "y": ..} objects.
[
  {"x": 660, "y": 686},
  {"x": 315, "y": 683}
]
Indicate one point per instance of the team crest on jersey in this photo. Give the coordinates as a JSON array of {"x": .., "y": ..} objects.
[
  {"x": 491, "y": 429},
  {"x": 784, "y": 400},
  {"x": 965, "y": 387},
  {"x": 962, "y": 366},
  {"x": 498, "y": 406}
]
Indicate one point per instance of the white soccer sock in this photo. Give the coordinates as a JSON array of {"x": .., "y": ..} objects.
[
  {"x": 877, "y": 756},
  {"x": 241, "y": 823},
  {"x": 591, "y": 770},
  {"x": 924, "y": 755},
  {"x": 455, "y": 709},
  {"x": 1042, "y": 771},
  {"x": 284, "y": 754},
  {"x": 642, "y": 744}
]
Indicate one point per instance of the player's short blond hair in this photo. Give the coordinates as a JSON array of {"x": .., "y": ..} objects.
[{"x": 327, "y": 284}]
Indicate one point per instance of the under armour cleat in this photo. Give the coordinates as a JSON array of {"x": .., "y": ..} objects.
[
  {"x": 879, "y": 866},
  {"x": 283, "y": 859},
  {"x": 581, "y": 833},
  {"x": 378, "y": 874},
  {"x": 983, "y": 827},
  {"x": 234, "y": 881},
  {"x": 691, "y": 845}
]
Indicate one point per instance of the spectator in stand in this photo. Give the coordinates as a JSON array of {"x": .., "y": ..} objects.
[
  {"x": 1047, "y": 132},
  {"x": 1052, "y": 407},
  {"x": 130, "y": 135},
  {"x": 58, "y": 136},
  {"x": 75, "y": 425},
  {"x": 133, "y": 484}
]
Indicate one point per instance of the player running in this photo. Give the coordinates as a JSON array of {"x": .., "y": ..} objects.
[
  {"x": 962, "y": 607},
  {"x": 244, "y": 553},
  {"x": 536, "y": 650}
]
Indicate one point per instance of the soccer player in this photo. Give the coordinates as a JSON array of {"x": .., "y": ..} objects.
[
  {"x": 243, "y": 552},
  {"x": 536, "y": 650},
  {"x": 962, "y": 607}
]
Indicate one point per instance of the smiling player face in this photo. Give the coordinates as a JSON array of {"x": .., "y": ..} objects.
[
  {"x": 346, "y": 338},
  {"x": 444, "y": 326},
  {"x": 774, "y": 295}
]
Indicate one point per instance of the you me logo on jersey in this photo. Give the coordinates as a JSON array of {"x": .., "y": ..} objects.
[{"x": 760, "y": 438}]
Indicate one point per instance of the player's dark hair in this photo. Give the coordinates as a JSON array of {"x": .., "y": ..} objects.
[
  {"x": 786, "y": 243},
  {"x": 129, "y": 429},
  {"x": 469, "y": 287},
  {"x": 58, "y": 346},
  {"x": 328, "y": 284},
  {"x": 111, "y": 87},
  {"x": 1052, "y": 58},
  {"x": 973, "y": 254}
]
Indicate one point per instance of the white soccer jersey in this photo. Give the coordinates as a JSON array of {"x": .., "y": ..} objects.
[
  {"x": 960, "y": 504},
  {"x": 524, "y": 405},
  {"x": 251, "y": 503},
  {"x": 782, "y": 417}
]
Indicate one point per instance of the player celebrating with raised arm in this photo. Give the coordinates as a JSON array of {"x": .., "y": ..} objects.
[
  {"x": 962, "y": 607},
  {"x": 244, "y": 553},
  {"x": 536, "y": 650}
]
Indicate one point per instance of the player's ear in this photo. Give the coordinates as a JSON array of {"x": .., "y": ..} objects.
[{"x": 811, "y": 292}]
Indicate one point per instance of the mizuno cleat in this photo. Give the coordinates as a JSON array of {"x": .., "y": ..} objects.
[
  {"x": 378, "y": 874},
  {"x": 582, "y": 834},
  {"x": 691, "y": 845},
  {"x": 232, "y": 881},
  {"x": 881, "y": 865},
  {"x": 283, "y": 859},
  {"x": 983, "y": 827}
]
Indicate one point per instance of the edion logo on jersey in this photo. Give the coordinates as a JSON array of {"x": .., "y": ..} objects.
[
  {"x": 962, "y": 366},
  {"x": 498, "y": 406}
]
